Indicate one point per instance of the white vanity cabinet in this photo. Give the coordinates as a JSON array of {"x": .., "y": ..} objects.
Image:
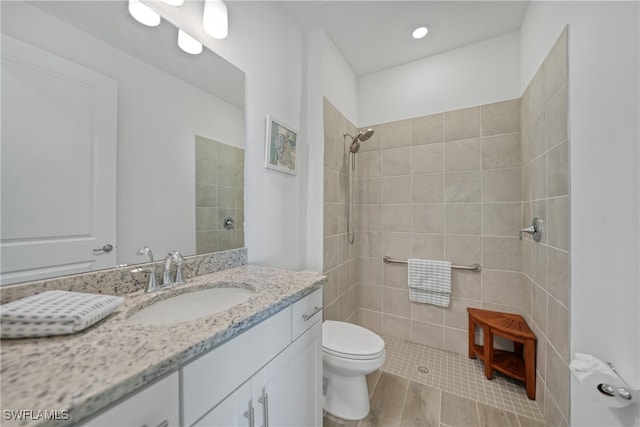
[
  {"x": 155, "y": 406},
  {"x": 271, "y": 375}
]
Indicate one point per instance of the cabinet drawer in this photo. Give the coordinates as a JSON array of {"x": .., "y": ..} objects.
[
  {"x": 305, "y": 313},
  {"x": 154, "y": 406},
  {"x": 209, "y": 379}
]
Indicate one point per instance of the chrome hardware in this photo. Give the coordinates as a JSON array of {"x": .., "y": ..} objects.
[
  {"x": 145, "y": 251},
  {"x": 535, "y": 229},
  {"x": 264, "y": 400},
  {"x": 606, "y": 389},
  {"x": 153, "y": 285},
  {"x": 228, "y": 223},
  {"x": 624, "y": 393},
  {"x": 248, "y": 414},
  {"x": 473, "y": 267},
  {"x": 176, "y": 257},
  {"x": 313, "y": 313},
  {"x": 105, "y": 249}
]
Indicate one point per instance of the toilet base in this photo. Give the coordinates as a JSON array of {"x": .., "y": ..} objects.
[{"x": 347, "y": 397}]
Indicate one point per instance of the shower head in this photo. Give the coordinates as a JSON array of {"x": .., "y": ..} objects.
[{"x": 360, "y": 137}]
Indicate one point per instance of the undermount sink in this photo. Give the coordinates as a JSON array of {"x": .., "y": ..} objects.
[{"x": 186, "y": 306}]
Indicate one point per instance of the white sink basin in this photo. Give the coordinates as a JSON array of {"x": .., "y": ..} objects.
[{"x": 189, "y": 306}]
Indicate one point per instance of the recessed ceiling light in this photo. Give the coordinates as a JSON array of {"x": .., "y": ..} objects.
[{"x": 420, "y": 32}]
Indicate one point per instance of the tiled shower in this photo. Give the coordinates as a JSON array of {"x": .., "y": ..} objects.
[{"x": 458, "y": 186}]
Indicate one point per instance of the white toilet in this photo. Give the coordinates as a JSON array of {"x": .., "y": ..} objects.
[{"x": 349, "y": 352}]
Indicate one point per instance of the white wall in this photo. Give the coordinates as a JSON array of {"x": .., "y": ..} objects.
[
  {"x": 604, "y": 134},
  {"x": 156, "y": 134},
  {"x": 477, "y": 74}
]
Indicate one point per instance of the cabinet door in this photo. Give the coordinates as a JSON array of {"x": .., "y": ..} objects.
[
  {"x": 235, "y": 410},
  {"x": 288, "y": 391},
  {"x": 157, "y": 405}
]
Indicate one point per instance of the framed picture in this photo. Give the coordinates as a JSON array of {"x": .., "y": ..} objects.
[{"x": 281, "y": 152}]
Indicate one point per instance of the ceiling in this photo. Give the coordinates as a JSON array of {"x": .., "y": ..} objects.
[{"x": 374, "y": 35}]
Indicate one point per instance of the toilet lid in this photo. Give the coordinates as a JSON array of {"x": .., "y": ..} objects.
[{"x": 351, "y": 341}]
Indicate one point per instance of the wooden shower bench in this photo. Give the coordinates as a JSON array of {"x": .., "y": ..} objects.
[{"x": 513, "y": 327}]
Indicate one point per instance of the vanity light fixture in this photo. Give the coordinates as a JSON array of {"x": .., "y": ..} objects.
[
  {"x": 175, "y": 3},
  {"x": 188, "y": 43},
  {"x": 215, "y": 19},
  {"x": 143, "y": 13},
  {"x": 420, "y": 32}
]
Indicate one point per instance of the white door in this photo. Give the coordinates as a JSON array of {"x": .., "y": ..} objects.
[
  {"x": 288, "y": 391},
  {"x": 234, "y": 410},
  {"x": 58, "y": 166}
]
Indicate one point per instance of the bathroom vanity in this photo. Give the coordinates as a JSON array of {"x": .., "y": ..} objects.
[{"x": 259, "y": 362}]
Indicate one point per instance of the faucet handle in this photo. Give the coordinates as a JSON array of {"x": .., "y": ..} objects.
[{"x": 153, "y": 284}]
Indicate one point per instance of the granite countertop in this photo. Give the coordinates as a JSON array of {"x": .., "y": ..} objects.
[{"x": 87, "y": 371}]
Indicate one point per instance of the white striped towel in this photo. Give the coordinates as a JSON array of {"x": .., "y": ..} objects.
[{"x": 430, "y": 281}]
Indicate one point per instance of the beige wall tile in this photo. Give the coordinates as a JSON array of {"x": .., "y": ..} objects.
[
  {"x": 332, "y": 311},
  {"x": 501, "y": 219},
  {"x": 207, "y": 196},
  {"x": 466, "y": 284},
  {"x": 537, "y": 92},
  {"x": 558, "y": 222},
  {"x": 344, "y": 305},
  {"x": 503, "y": 287},
  {"x": 501, "y": 117},
  {"x": 538, "y": 135},
  {"x": 396, "y": 189},
  {"x": 427, "y": 158},
  {"x": 456, "y": 340},
  {"x": 396, "y": 301},
  {"x": 456, "y": 315},
  {"x": 558, "y": 280},
  {"x": 371, "y": 320},
  {"x": 462, "y": 250},
  {"x": 526, "y": 297},
  {"x": 558, "y": 328},
  {"x": 375, "y": 142},
  {"x": 206, "y": 219},
  {"x": 369, "y": 191},
  {"x": 501, "y": 151},
  {"x": 397, "y": 245},
  {"x": 427, "y": 334},
  {"x": 558, "y": 170},
  {"x": 368, "y": 164},
  {"x": 369, "y": 244},
  {"x": 552, "y": 413},
  {"x": 427, "y": 129},
  {"x": 396, "y": 326},
  {"x": 555, "y": 66},
  {"x": 427, "y": 313},
  {"x": 370, "y": 297},
  {"x": 427, "y": 188},
  {"x": 556, "y": 114},
  {"x": 463, "y": 218},
  {"x": 462, "y": 124},
  {"x": 526, "y": 183},
  {"x": 501, "y": 185},
  {"x": 330, "y": 218},
  {"x": 427, "y": 218},
  {"x": 539, "y": 178},
  {"x": 368, "y": 218},
  {"x": 539, "y": 307},
  {"x": 395, "y": 275},
  {"x": 501, "y": 253},
  {"x": 462, "y": 155},
  {"x": 369, "y": 271},
  {"x": 396, "y": 134},
  {"x": 427, "y": 246},
  {"x": 558, "y": 381},
  {"x": 331, "y": 252},
  {"x": 539, "y": 264},
  {"x": 462, "y": 186},
  {"x": 541, "y": 352},
  {"x": 330, "y": 185},
  {"x": 396, "y": 218},
  {"x": 396, "y": 161}
]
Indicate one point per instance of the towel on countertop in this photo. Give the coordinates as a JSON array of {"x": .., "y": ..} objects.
[{"x": 430, "y": 281}]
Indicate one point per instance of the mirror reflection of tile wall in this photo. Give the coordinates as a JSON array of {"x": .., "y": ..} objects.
[{"x": 219, "y": 194}]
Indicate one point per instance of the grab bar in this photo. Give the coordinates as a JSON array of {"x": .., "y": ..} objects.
[{"x": 472, "y": 267}]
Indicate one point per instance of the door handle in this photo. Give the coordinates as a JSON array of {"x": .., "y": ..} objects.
[
  {"x": 264, "y": 399},
  {"x": 105, "y": 249}
]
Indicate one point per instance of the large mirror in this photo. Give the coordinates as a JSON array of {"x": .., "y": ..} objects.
[{"x": 112, "y": 139}]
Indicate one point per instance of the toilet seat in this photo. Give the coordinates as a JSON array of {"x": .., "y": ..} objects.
[{"x": 350, "y": 341}]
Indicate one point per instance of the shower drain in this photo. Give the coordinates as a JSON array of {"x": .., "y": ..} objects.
[{"x": 423, "y": 369}]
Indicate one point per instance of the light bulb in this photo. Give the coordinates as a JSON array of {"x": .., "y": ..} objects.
[
  {"x": 143, "y": 13},
  {"x": 215, "y": 19},
  {"x": 420, "y": 32},
  {"x": 188, "y": 43}
]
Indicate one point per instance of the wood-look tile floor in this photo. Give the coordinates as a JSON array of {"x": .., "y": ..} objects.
[{"x": 454, "y": 393}]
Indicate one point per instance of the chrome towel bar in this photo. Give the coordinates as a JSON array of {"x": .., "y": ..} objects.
[{"x": 472, "y": 267}]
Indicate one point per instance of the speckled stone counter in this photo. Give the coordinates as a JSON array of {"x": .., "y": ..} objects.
[{"x": 88, "y": 371}]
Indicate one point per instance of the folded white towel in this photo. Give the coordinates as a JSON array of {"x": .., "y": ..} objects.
[
  {"x": 55, "y": 313},
  {"x": 430, "y": 281}
]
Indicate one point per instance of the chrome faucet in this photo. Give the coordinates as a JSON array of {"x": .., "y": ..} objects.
[{"x": 176, "y": 257}]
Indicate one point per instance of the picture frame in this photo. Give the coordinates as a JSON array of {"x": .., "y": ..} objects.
[{"x": 281, "y": 147}]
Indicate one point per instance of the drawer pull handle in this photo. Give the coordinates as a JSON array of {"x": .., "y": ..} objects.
[
  {"x": 264, "y": 399},
  {"x": 248, "y": 414},
  {"x": 313, "y": 313}
]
